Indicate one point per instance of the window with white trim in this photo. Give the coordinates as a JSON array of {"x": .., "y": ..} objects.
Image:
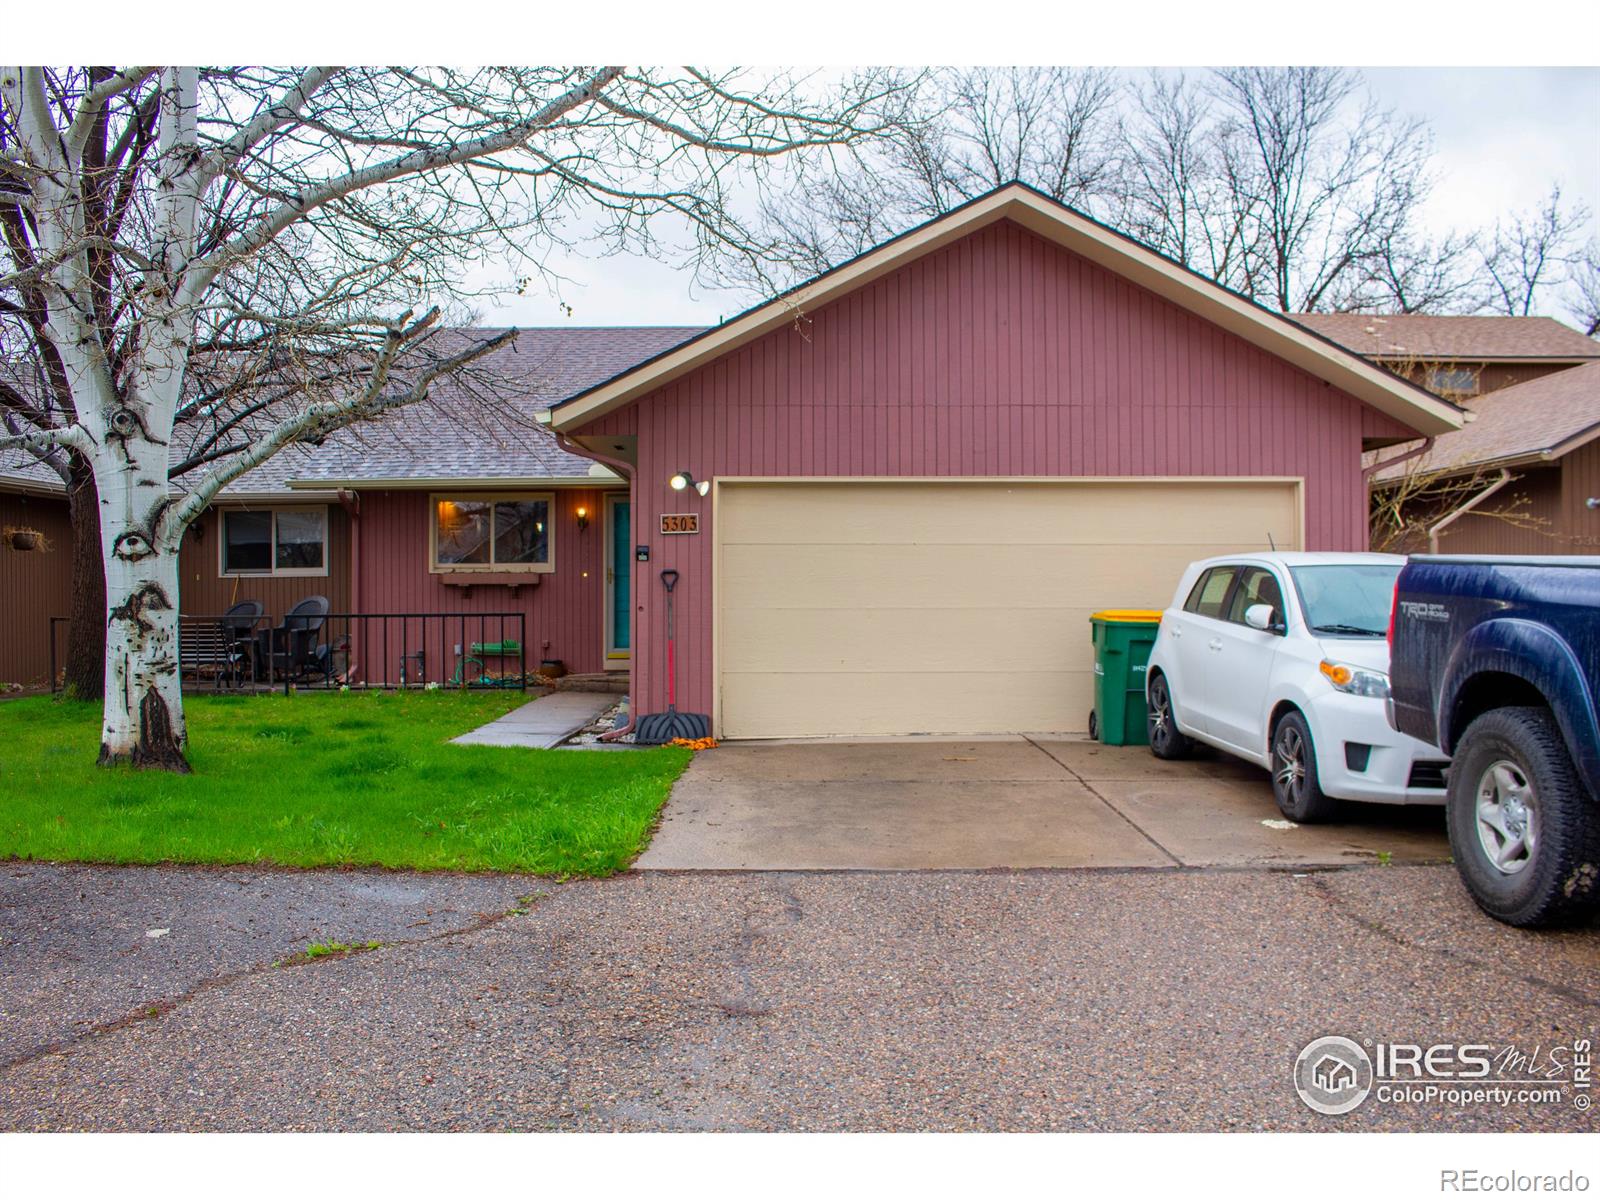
[
  {"x": 493, "y": 533},
  {"x": 273, "y": 541}
]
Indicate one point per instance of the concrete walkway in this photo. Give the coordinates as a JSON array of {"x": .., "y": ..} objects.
[
  {"x": 541, "y": 724},
  {"x": 1042, "y": 801}
]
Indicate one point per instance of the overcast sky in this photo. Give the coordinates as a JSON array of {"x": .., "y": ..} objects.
[{"x": 1503, "y": 136}]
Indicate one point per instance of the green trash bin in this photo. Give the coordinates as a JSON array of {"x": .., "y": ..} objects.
[{"x": 1122, "y": 641}]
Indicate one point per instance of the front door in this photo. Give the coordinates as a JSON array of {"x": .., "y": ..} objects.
[{"x": 619, "y": 576}]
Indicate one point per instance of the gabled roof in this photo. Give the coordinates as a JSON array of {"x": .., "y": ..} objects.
[
  {"x": 1540, "y": 420},
  {"x": 456, "y": 436},
  {"x": 1132, "y": 260},
  {"x": 1413, "y": 337}
]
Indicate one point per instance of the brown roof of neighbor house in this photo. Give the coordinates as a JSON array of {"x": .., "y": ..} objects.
[
  {"x": 1541, "y": 419},
  {"x": 1433, "y": 339}
]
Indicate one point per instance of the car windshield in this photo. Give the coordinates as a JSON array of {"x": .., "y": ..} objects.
[{"x": 1347, "y": 599}]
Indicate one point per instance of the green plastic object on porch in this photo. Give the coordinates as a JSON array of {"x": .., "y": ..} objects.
[
  {"x": 1123, "y": 638},
  {"x": 657, "y": 729},
  {"x": 508, "y": 649}
]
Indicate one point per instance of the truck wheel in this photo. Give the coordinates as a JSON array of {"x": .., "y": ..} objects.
[
  {"x": 1162, "y": 732},
  {"x": 1523, "y": 829},
  {"x": 1295, "y": 785}
]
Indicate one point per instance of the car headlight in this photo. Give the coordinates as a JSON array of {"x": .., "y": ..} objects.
[{"x": 1357, "y": 681}]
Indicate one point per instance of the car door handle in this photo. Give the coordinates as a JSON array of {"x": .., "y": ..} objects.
[
  {"x": 1214, "y": 644},
  {"x": 1176, "y": 632}
]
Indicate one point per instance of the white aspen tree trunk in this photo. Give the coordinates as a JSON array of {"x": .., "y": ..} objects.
[
  {"x": 139, "y": 529},
  {"x": 143, "y": 714}
]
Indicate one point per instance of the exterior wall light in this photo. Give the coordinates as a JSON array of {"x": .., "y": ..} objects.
[
  {"x": 685, "y": 480},
  {"x": 583, "y": 518},
  {"x": 1593, "y": 501}
]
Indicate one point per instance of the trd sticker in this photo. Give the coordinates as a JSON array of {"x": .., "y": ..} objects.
[{"x": 1418, "y": 611}]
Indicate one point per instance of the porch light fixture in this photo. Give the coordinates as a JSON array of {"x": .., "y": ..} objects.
[
  {"x": 685, "y": 480},
  {"x": 583, "y": 518}
]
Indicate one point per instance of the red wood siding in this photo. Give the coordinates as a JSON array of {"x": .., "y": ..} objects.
[
  {"x": 565, "y": 613},
  {"x": 1000, "y": 355},
  {"x": 34, "y": 586},
  {"x": 205, "y": 591}
]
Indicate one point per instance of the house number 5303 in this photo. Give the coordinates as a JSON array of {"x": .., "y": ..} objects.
[{"x": 680, "y": 522}]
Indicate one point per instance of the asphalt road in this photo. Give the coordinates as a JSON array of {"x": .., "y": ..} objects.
[{"x": 1084, "y": 999}]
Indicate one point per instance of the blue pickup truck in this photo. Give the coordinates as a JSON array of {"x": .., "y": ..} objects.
[{"x": 1497, "y": 662}]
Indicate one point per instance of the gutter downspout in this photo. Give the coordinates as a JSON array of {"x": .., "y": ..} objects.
[
  {"x": 351, "y": 503},
  {"x": 1439, "y": 526},
  {"x": 624, "y": 469}
]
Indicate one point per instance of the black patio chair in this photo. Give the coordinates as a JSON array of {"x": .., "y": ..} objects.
[
  {"x": 238, "y": 627},
  {"x": 290, "y": 649},
  {"x": 219, "y": 648}
]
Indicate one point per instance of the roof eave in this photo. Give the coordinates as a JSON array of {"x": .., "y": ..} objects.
[
  {"x": 1273, "y": 332},
  {"x": 43, "y": 488},
  {"x": 1521, "y": 360},
  {"x": 437, "y": 482}
]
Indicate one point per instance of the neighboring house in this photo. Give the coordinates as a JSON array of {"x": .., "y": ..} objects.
[
  {"x": 1532, "y": 451},
  {"x": 395, "y": 517},
  {"x": 1458, "y": 357},
  {"x": 35, "y": 582},
  {"x": 930, "y": 465},
  {"x": 455, "y": 507},
  {"x": 1529, "y": 385}
]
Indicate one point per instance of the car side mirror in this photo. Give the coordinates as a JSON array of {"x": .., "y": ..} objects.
[{"x": 1259, "y": 616}]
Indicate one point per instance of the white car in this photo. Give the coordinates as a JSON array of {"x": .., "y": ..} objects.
[{"x": 1283, "y": 660}]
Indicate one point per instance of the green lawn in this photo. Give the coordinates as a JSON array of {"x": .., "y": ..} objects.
[{"x": 327, "y": 779}]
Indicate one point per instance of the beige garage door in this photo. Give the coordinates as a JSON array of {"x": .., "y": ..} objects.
[{"x": 849, "y": 608}]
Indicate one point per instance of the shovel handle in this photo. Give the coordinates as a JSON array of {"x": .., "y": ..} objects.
[{"x": 669, "y": 579}]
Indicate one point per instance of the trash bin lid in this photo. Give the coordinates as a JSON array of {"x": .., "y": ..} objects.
[{"x": 1128, "y": 616}]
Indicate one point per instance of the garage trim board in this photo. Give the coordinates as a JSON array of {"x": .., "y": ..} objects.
[{"x": 974, "y": 665}]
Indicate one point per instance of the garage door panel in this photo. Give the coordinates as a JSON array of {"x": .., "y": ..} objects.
[
  {"x": 849, "y": 577},
  {"x": 883, "y": 639},
  {"x": 882, "y": 608},
  {"x": 985, "y": 514},
  {"x": 872, "y": 703}
]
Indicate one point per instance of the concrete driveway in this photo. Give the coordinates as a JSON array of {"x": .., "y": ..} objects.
[{"x": 1010, "y": 802}]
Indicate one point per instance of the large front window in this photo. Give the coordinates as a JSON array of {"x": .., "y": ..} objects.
[
  {"x": 282, "y": 541},
  {"x": 505, "y": 533}
]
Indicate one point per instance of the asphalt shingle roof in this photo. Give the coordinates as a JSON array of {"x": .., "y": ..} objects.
[
  {"x": 1530, "y": 418},
  {"x": 1431, "y": 339},
  {"x": 456, "y": 433}
]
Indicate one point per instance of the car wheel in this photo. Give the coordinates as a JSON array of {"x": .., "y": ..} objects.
[
  {"x": 1295, "y": 785},
  {"x": 1161, "y": 726},
  {"x": 1522, "y": 828}
]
